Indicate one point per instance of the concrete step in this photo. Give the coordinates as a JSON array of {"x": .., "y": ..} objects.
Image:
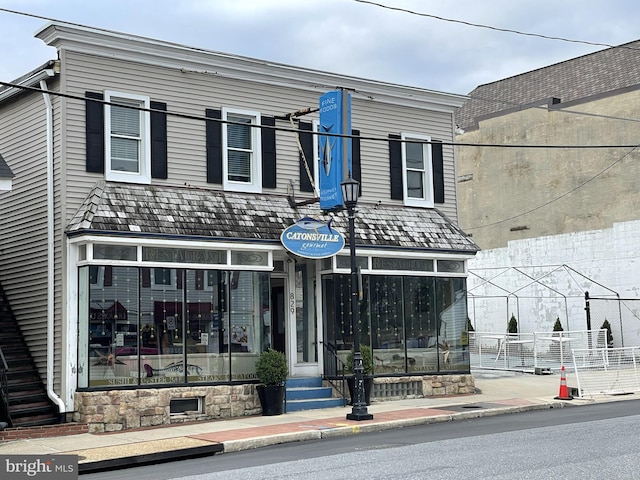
[
  {"x": 307, "y": 393},
  {"x": 298, "y": 405}
]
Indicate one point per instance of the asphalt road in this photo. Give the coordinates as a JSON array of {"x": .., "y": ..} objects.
[{"x": 598, "y": 441}]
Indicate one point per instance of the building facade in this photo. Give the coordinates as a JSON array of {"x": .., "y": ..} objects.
[
  {"x": 152, "y": 192},
  {"x": 557, "y": 188}
]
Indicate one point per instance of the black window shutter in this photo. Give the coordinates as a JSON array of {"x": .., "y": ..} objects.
[
  {"x": 95, "y": 133},
  {"x": 158, "y": 140},
  {"x": 306, "y": 141},
  {"x": 437, "y": 161},
  {"x": 214, "y": 146},
  {"x": 268, "y": 152},
  {"x": 395, "y": 166},
  {"x": 356, "y": 168}
]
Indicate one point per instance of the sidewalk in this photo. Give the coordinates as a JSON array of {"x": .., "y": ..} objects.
[{"x": 499, "y": 393}]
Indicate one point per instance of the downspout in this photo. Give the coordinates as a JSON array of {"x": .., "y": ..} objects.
[{"x": 50, "y": 252}]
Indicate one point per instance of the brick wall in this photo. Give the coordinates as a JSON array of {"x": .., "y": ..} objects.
[{"x": 23, "y": 433}]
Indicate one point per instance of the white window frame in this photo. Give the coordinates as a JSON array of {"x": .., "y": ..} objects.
[
  {"x": 427, "y": 199},
  {"x": 255, "y": 185},
  {"x": 144, "y": 173}
]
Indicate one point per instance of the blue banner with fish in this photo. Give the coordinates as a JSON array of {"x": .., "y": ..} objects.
[
  {"x": 335, "y": 118},
  {"x": 312, "y": 238}
]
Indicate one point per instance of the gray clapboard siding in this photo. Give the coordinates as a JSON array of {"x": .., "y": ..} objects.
[
  {"x": 24, "y": 221},
  {"x": 190, "y": 93}
]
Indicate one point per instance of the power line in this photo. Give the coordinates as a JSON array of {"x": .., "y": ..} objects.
[
  {"x": 489, "y": 27},
  {"x": 559, "y": 197},
  {"x": 327, "y": 134},
  {"x": 492, "y": 100}
]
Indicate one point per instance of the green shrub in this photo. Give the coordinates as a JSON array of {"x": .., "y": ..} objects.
[
  {"x": 557, "y": 327},
  {"x": 513, "y": 324},
  {"x": 367, "y": 361},
  {"x": 271, "y": 367}
]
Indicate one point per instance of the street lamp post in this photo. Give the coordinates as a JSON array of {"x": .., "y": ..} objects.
[{"x": 350, "y": 191}]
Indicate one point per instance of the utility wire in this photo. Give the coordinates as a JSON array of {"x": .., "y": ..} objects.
[
  {"x": 557, "y": 198},
  {"x": 492, "y": 100},
  {"x": 324, "y": 134},
  {"x": 489, "y": 27}
]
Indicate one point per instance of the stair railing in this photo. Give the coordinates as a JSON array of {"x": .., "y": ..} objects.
[
  {"x": 4, "y": 387},
  {"x": 331, "y": 363}
]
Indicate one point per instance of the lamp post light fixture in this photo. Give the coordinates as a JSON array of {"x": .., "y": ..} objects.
[{"x": 350, "y": 191}]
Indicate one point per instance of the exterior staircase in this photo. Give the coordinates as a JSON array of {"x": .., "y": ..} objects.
[
  {"x": 307, "y": 393},
  {"x": 24, "y": 401}
]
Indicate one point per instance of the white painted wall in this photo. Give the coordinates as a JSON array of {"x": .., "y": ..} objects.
[{"x": 602, "y": 262}]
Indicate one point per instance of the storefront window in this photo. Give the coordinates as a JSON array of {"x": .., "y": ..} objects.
[
  {"x": 387, "y": 324},
  {"x": 249, "y": 300},
  {"x": 413, "y": 324},
  {"x": 420, "y": 324},
  {"x": 114, "y": 315},
  {"x": 451, "y": 308},
  {"x": 170, "y": 326}
]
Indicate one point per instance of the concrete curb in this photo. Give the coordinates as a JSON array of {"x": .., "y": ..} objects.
[
  {"x": 230, "y": 446},
  {"x": 238, "y": 445},
  {"x": 149, "y": 458}
]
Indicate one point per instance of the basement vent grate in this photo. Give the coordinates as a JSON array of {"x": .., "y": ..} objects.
[
  {"x": 395, "y": 390},
  {"x": 185, "y": 405}
]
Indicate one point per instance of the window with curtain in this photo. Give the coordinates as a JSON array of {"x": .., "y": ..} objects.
[
  {"x": 241, "y": 151},
  {"x": 125, "y": 135},
  {"x": 128, "y": 150},
  {"x": 417, "y": 167}
]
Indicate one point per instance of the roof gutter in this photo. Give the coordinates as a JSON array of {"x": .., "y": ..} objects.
[
  {"x": 31, "y": 81},
  {"x": 50, "y": 246}
]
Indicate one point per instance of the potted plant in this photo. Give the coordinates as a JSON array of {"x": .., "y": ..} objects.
[
  {"x": 367, "y": 372},
  {"x": 272, "y": 371}
]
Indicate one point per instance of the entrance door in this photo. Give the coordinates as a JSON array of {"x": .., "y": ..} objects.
[{"x": 303, "y": 325}]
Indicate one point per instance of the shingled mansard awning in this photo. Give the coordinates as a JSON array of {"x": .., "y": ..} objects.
[{"x": 168, "y": 211}]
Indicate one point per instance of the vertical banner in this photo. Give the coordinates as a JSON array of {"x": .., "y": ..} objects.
[{"x": 335, "y": 152}]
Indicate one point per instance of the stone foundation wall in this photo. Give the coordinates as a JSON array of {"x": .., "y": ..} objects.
[
  {"x": 398, "y": 388},
  {"x": 116, "y": 410},
  {"x": 436, "y": 385}
]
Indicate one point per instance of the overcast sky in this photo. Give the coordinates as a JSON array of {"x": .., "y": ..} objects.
[{"x": 346, "y": 36}]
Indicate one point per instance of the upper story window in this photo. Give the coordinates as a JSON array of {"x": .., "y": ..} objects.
[
  {"x": 127, "y": 143},
  {"x": 416, "y": 170},
  {"x": 241, "y": 153}
]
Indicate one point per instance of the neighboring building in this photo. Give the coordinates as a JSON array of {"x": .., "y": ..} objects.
[
  {"x": 141, "y": 242},
  {"x": 555, "y": 205}
]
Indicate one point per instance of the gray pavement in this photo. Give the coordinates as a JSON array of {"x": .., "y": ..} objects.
[{"x": 498, "y": 392}]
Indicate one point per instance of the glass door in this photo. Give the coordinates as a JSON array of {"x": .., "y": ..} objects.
[{"x": 303, "y": 331}]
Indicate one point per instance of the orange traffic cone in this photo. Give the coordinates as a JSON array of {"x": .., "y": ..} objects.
[{"x": 564, "y": 390}]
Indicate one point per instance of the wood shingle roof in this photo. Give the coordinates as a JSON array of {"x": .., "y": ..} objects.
[{"x": 160, "y": 211}]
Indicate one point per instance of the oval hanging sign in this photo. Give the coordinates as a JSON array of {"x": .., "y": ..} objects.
[{"x": 312, "y": 238}]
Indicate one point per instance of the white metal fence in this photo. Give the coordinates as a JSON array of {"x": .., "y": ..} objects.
[
  {"x": 607, "y": 371},
  {"x": 546, "y": 351}
]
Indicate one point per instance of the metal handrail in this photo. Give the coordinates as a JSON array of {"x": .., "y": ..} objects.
[
  {"x": 328, "y": 347},
  {"x": 4, "y": 384}
]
